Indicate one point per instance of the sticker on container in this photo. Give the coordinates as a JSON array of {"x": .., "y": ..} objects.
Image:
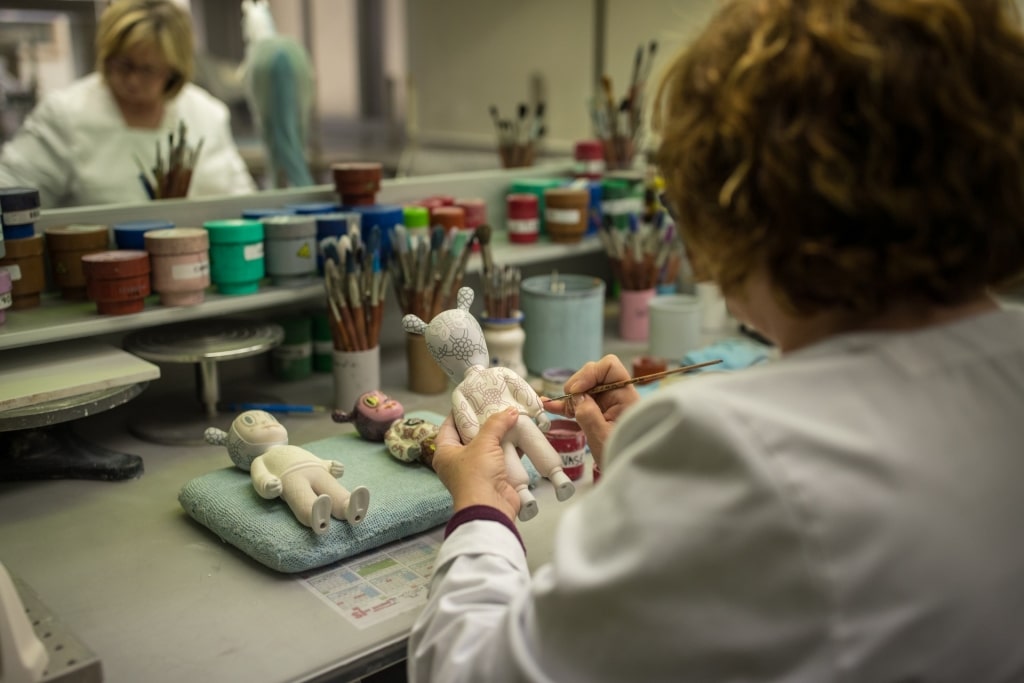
[
  {"x": 525, "y": 226},
  {"x": 25, "y": 217},
  {"x": 562, "y": 215},
  {"x": 573, "y": 458},
  {"x": 253, "y": 252},
  {"x": 190, "y": 271},
  {"x": 305, "y": 251},
  {"x": 15, "y": 271},
  {"x": 293, "y": 351},
  {"x": 617, "y": 207},
  {"x": 6, "y": 300}
]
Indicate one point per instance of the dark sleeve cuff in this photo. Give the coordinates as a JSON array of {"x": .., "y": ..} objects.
[{"x": 478, "y": 512}]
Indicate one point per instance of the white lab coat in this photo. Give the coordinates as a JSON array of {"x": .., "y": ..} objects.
[
  {"x": 76, "y": 150},
  {"x": 851, "y": 513}
]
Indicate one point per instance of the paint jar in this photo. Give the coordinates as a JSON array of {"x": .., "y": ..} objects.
[
  {"x": 131, "y": 234},
  {"x": 563, "y": 317},
  {"x": 416, "y": 220},
  {"x": 589, "y": 159},
  {"x": 332, "y": 226},
  {"x": 292, "y": 359},
  {"x": 117, "y": 280},
  {"x": 260, "y": 214},
  {"x": 355, "y": 373},
  {"x": 385, "y": 217},
  {"x": 357, "y": 184},
  {"x": 425, "y": 376},
  {"x": 634, "y": 314},
  {"x": 536, "y": 187},
  {"x": 6, "y": 299},
  {"x": 290, "y": 249},
  {"x": 523, "y": 221},
  {"x": 451, "y": 218},
  {"x": 675, "y": 325},
  {"x": 66, "y": 245},
  {"x": 20, "y": 210},
  {"x": 621, "y": 198},
  {"x": 312, "y": 208},
  {"x": 504, "y": 338},
  {"x": 323, "y": 343},
  {"x": 180, "y": 263},
  {"x": 475, "y": 211},
  {"x": 648, "y": 365},
  {"x": 566, "y": 213},
  {"x": 569, "y": 441},
  {"x": 554, "y": 379},
  {"x": 24, "y": 261},
  {"x": 236, "y": 255}
]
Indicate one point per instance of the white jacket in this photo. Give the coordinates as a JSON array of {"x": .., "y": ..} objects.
[
  {"x": 76, "y": 150},
  {"x": 852, "y": 512}
]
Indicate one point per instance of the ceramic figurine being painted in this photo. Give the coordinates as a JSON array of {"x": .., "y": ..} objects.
[
  {"x": 456, "y": 342},
  {"x": 258, "y": 444},
  {"x": 372, "y": 414}
]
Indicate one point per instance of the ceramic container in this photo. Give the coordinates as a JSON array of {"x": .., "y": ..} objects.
[
  {"x": 180, "y": 261},
  {"x": 66, "y": 245},
  {"x": 292, "y": 359},
  {"x": 523, "y": 218},
  {"x": 566, "y": 213},
  {"x": 357, "y": 183},
  {"x": 291, "y": 249},
  {"x": 425, "y": 376},
  {"x": 355, "y": 373},
  {"x": 20, "y": 209},
  {"x": 563, "y": 318},
  {"x": 675, "y": 325},
  {"x": 504, "y": 338},
  {"x": 131, "y": 234},
  {"x": 569, "y": 441},
  {"x": 589, "y": 159},
  {"x": 237, "y": 261},
  {"x": 24, "y": 261},
  {"x": 117, "y": 280},
  {"x": 634, "y": 314}
]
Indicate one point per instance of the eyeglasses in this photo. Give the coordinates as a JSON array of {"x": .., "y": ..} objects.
[{"x": 126, "y": 67}]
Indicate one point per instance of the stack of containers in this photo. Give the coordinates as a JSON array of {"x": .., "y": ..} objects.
[
  {"x": 20, "y": 208},
  {"x": 291, "y": 249},
  {"x": 117, "y": 280},
  {"x": 357, "y": 183},
  {"x": 237, "y": 261},
  {"x": 180, "y": 261},
  {"x": 66, "y": 245},
  {"x": 132, "y": 234}
]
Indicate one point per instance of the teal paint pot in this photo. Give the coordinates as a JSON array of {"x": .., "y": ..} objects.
[
  {"x": 563, "y": 317},
  {"x": 236, "y": 255}
]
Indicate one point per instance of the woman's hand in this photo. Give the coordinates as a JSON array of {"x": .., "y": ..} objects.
[
  {"x": 597, "y": 414},
  {"x": 475, "y": 473}
]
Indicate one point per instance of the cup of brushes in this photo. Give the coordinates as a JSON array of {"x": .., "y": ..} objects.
[{"x": 356, "y": 288}]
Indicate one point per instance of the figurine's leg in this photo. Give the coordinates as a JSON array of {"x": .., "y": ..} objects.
[
  {"x": 543, "y": 456},
  {"x": 321, "y": 514},
  {"x": 520, "y": 481},
  {"x": 358, "y": 504},
  {"x": 301, "y": 498}
]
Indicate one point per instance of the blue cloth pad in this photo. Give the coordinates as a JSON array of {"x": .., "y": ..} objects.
[{"x": 405, "y": 499}]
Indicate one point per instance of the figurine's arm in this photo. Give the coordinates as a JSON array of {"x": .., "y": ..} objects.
[
  {"x": 525, "y": 396},
  {"x": 465, "y": 419},
  {"x": 265, "y": 483},
  {"x": 336, "y": 468}
]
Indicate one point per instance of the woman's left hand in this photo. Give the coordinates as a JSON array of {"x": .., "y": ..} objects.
[{"x": 475, "y": 473}]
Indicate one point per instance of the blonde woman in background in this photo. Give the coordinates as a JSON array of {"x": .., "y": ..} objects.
[{"x": 79, "y": 145}]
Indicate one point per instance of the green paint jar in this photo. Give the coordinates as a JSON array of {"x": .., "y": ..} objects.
[
  {"x": 237, "y": 263},
  {"x": 292, "y": 359},
  {"x": 323, "y": 344}
]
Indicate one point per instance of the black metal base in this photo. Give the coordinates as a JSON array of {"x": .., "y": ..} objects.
[{"x": 57, "y": 453}]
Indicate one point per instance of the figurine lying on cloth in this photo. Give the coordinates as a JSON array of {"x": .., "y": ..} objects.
[
  {"x": 258, "y": 444},
  {"x": 372, "y": 414},
  {"x": 412, "y": 439},
  {"x": 456, "y": 342}
]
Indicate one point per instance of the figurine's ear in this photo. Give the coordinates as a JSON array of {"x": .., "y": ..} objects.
[
  {"x": 342, "y": 417},
  {"x": 214, "y": 436},
  {"x": 465, "y": 298},
  {"x": 413, "y": 324}
]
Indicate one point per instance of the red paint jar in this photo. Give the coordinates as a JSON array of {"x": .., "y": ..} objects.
[
  {"x": 568, "y": 439},
  {"x": 648, "y": 365},
  {"x": 67, "y": 244},
  {"x": 450, "y": 218},
  {"x": 180, "y": 262},
  {"x": 589, "y": 159},
  {"x": 523, "y": 218},
  {"x": 24, "y": 261},
  {"x": 118, "y": 280},
  {"x": 476, "y": 215}
]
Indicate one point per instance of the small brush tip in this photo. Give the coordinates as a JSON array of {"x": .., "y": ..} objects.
[{"x": 483, "y": 234}]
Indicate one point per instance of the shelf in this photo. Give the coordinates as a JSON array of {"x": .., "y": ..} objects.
[{"x": 57, "y": 320}]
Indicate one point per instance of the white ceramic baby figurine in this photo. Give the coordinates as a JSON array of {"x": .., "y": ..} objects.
[
  {"x": 457, "y": 344},
  {"x": 258, "y": 444}
]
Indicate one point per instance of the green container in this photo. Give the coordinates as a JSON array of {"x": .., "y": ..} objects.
[
  {"x": 292, "y": 359},
  {"x": 536, "y": 187},
  {"x": 416, "y": 217},
  {"x": 236, "y": 255},
  {"x": 621, "y": 197},
  {"x": 323, "y": 344}
]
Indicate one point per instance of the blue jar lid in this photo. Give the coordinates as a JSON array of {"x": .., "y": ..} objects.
[
  {"x": 312, "y": 207},
  {"x": 143, "y": 226},
  {"x": 333, "y": 224},
  {"x": 132, "y": 234},
  {"x": 386, "y": 216}
]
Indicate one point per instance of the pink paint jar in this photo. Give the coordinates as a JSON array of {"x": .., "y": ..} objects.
[
  {"x": 634, "y": 314},
  {"x": 475, "y": 211},
  {"x": 5, "y": 294},
  {"x": 180, "y": 261},
  {"x": 568, "y": 439}
]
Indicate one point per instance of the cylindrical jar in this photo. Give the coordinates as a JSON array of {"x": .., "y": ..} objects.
[
  {"x": 292, "y": 359},
  {"x": 312, "y": 208},
  {"x": 117, "y": 280},
  {"x": 451, "y": 218},
  {"x": 523, "y": 221},
  {"x": 180, "y": 260},
  {"x": 67, "y": 244},
  {"x": 323, "y": 343},
  {"x": 566, "y": 213},
  {"x": 589, "y": 159},
  {"x": 5, "y": 294},
  {"x": 504, "y": 338},
  {"x": 416, "y": 219},
  {"x": 333, "y": 226},
  {"x": 569, "y": 441},
  {"x": 475, "y": 211},
  {"x": 357, "y": 183},
  {"x": 290, "y": 249},
  {"x": 20, "y": 209},
  {"x": 131, "y": 234},
  {"x": 236, "y": 255},
  {"x": 24, "y": 260}
]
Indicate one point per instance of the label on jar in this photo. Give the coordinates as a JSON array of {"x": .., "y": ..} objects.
[
  {"x": 572, "y": 458},
  {"x": 589, "y": 166},
  {"x": 253, "y": 252},
  {"x": 293, "y": 351},
  {"x": 6, "y": 300},
  {"x": 21, "y": 217},
  {"x": 562, "y": 215},
  {"x": 15, "y": 270},
  {"x": 618, "y": 207},
  {"x": 522, "y": 226},
  {"x": 190, "y": 271}
]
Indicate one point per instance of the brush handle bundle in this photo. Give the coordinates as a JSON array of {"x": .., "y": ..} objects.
[
  {"x": 356, "y": 289},
  {"x": 427, "y": 268}
]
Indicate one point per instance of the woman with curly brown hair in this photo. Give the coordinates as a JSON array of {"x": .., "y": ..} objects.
[{"x": 851, "y": 174}]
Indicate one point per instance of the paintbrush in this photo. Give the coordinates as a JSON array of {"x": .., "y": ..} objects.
[
  {"x": 635, "y": 380},
  {"x": 483, "y": 237}
]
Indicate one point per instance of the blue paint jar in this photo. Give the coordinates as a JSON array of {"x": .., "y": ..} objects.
[
  {"x": 131, "y": 234},
  {"x": 385, "y": 217},
  {"x": 237, "y": 262},
  {"x": 312, "y": 208},
  {"x": 563, "y": 317}
]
